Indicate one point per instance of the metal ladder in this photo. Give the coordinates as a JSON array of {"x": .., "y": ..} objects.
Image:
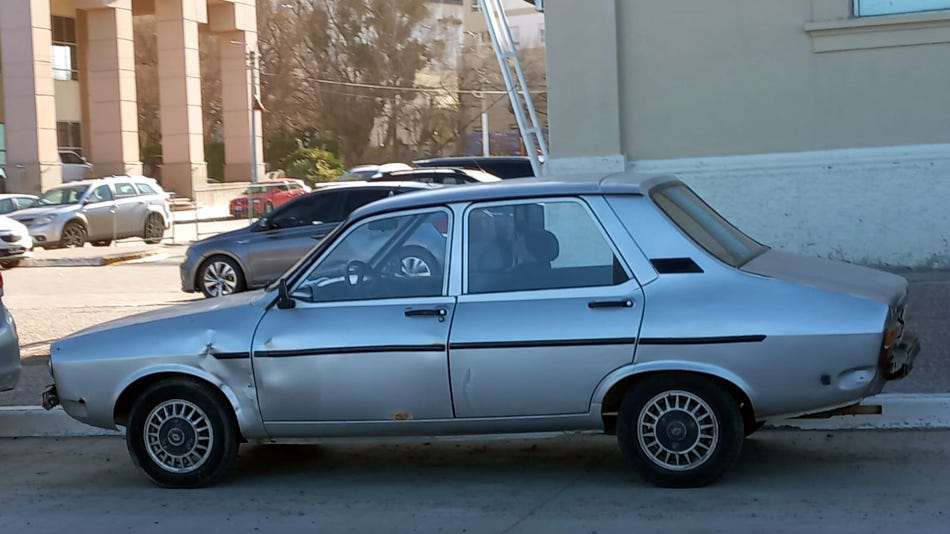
[{"x": 521, "y": 104}]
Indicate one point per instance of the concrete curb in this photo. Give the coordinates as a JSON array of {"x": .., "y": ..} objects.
[
  {"x": 900, "y": 412},
  {"x": 145, "y": 255}
]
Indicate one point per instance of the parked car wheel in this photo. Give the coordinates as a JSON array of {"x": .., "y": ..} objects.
[
  {"x": 9, "y": 264},
  {"x": 101, "y": 242},
  {"x": 154, "y": 229},
  {"x": 182, "y": 434},
  {"x": 679, "y": 430},
  {"x": 219, "y": 276},
  {"x": 417, "y": 262},
  {"x": 74, "y": 235}
]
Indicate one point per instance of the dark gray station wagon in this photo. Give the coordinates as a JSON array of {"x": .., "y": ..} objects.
[{"x": 619, "y": 304}]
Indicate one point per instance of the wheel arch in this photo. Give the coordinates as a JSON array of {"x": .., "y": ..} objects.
[
  {"x": 609, "y": 394},
  {"x": 138, "y": 383}
]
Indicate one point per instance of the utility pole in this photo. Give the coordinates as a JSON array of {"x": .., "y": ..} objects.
[{"x": 255, "y": 106}]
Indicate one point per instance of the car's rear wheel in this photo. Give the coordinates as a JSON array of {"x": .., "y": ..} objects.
[
  {"x": 679, "y": 430},
  {"x": 154, "y": 229},
  {"x": 182, "y": 434},
  {"x": 74, "y": 235},
  {"x": 9, "y": 264},
  {"x": 220, "y": 276}
]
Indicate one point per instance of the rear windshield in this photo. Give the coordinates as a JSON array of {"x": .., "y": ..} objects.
[{"x": 706, "y": 227}]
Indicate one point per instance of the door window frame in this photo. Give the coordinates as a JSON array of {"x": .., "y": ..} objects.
[{"x": 624, "y": 264}]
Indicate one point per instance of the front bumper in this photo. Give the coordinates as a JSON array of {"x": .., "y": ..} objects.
[{"x": 900, "y": 358}]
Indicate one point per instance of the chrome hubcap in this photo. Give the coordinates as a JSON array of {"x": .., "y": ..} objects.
[
  {"x": 219, "y": 279},
  {"x": 414, "y": 267},
  {"x": 178, "y": 436},
  {"x": 677, "y": 430}
]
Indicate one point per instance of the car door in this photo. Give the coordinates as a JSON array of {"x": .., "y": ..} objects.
[
  {"x": 100, "y": 210},
  {"x": 131, "y": 210},
  {"x": 362, "y": 342},
  {"x": 548, "y": 309},
  {"x": 294, "y": 228}
]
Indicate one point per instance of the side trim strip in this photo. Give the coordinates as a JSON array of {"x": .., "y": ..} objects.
[
  {"x": 231, "y": 355},
  {"x": 347, "y": 350},
  {"x": 544, "y": 343},
  {"x": 700, "y": 340}
]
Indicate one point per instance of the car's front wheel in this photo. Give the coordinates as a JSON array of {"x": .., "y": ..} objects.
[
  {"x": 679, "y": 430},
  {"x": 220, "y": 276},
  {"x": 74, "y": 235},
  {"x": 182, "y": 434}
]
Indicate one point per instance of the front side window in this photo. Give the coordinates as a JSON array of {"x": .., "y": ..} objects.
[
  {"x": 101, "y": 194},
  {"x": 315, "y": 209},
  {"x": 705, "y": 227},
  {"x": 397, "y": 256},
  {"x": 538, "y": 245}
]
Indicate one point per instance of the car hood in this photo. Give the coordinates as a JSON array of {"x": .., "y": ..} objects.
[
  {"x": 830, "y": 275},
  {"x": 32, "y": 213}
]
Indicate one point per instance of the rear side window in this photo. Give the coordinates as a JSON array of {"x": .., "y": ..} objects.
[
  {"x": 125, "y": 189},
  {"x": 704, "y": 226},
  {"x": 360, "y": 198},
  {"x": 311, "y": 209},
  {"x": 146, "y": 189}
]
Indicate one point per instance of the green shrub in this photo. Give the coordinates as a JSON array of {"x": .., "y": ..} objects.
[{"x": 312, "y": 164}]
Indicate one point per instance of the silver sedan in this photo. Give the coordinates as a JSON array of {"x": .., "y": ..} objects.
[{"x": 620, "y": 304}]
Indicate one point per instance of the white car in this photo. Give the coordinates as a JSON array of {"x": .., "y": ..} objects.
[
  {"x": 75, "y": 167},
  {"x": 10, "y": 202},
  {"x": 15, "y": 242}
]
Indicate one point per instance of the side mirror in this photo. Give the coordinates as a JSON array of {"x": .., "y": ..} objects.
[
  {"x": 304, "y": 292},
  {"x": 284, "y": 302}
]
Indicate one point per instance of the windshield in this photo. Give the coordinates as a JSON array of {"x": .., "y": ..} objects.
[
  {"x": 62, "y": 195},
  {"x": 706, "y": 227}
]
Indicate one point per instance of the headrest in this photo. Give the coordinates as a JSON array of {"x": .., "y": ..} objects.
[{"x": 542, "y": 245}]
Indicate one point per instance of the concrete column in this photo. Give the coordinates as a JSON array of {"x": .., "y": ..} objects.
[
  {"x": 179, "y": 77},
  {"x": 238, "y": 109},
  {"x": 109, "y": 89},
  {"x": 28, "y": 96}
]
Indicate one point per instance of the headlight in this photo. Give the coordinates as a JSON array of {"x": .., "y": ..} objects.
[{"x": 46, "y": 219}]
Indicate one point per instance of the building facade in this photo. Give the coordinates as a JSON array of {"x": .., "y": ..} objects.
[
  {"x": 68, "y": 83},
  {"x": 819, "y": 126}
]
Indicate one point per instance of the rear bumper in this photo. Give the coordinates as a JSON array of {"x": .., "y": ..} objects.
[
  {"x": 9, "y": 352},
  {"x": 900, "y": 358}
]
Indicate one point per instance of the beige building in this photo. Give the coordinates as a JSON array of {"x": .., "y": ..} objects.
[
  {"x": 820, "y": 126},
  {"x": 67, "y": 76}
]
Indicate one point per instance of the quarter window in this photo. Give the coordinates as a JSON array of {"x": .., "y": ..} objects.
[
  {"x": 146, "y": 189},
  {"x": 123, "y": 189},
  {"x": 538, "y": 245}
]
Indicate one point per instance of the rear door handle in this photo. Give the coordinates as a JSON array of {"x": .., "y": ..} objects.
[
  {"x": 625, "y": 303},
  {"x": 427, "y": 312}
]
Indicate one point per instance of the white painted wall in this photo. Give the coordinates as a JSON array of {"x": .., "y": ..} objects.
[{"x": 881, "y": 206}]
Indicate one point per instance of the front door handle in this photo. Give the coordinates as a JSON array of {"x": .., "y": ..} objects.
[
  {"x": 624, "y": 303},
  {"x": 427, "y": 312}
]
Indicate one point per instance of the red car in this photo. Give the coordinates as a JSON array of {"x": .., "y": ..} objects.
[{"x": 265, "y": 196}]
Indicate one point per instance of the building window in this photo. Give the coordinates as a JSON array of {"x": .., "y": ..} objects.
[
  {"x": 69, "y": 136},
  {"x": 65, "y": 65},
  {"x": 3, "y": 144},
  {"x": 870, "y": 8}
]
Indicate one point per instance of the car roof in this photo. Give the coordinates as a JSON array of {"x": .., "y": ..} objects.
[
  {"x": 17, "y": 195},
  {"x": 625, "y": 183},
  {"x": 124, "y": 178},
  {"x": 378, "y": 183}
]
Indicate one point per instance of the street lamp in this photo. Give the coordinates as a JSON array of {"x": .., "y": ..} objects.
[{"x": 255, "y": 106}]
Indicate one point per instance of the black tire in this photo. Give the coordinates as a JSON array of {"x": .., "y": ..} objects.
[
  {"x": 74, "y": 235},
  {"x": 101, "y": 242},
  {"x": 417, "y": 262},
  {"x": 182, "y": 434},
  {"x": 9, "y": 264},
  {"x": 220, "y": 275},
  {"x": 659, "y": 433},
  {"x": 753, "y": 428},
  {"x": 154, "y": 229}
]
